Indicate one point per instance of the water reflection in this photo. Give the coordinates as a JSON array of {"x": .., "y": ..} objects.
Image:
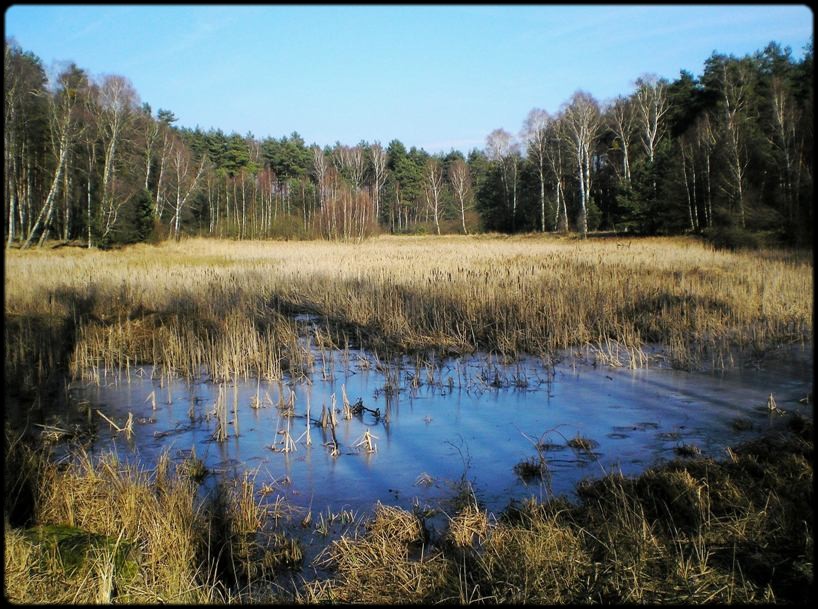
[{"x": 436, "y": 423}]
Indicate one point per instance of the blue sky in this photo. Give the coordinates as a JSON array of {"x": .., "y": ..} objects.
[{"x": 436, "y": 77}]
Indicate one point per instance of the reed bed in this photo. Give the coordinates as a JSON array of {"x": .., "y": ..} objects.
[
  {"x": 97, "y": 530},
  {"x": 106, "y": 526},
  {"x": 695, "y": 530},
  {"x": 226, "y": 308}
]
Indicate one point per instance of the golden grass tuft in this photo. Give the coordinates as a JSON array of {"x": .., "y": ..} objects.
[
  {"x": 387, "y": 564},
  {"x": 537, "y": 560},
  {"x": 395, "y": 524},
  {"x": 469, "y": 527},
  {"x": 154, "y": 515}
]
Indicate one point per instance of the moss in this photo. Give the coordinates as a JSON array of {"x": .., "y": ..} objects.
[{"x": 75, "y": 547}]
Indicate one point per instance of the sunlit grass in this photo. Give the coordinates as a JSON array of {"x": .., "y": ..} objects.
[{"x": 226, "y": 307}]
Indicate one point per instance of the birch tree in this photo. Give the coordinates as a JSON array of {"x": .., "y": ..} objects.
[
  {"x": 185, "y": 180},
  {"x": 705, "y": 139},
  {"x": 164, "y": 120},
  {"x": 25, "y": 120},
  {"x": 13, "y": 85},
  {"x": 433, "y": 188},
  {"x": 651, "y": 108},
  {"x": 582, "y": 121},
  {"x": 501, "y": 148},
  {"x": 735, "y": 82},
  {"x": 622, "y": 121},
  {"x": 63, "y": 103},
  {"x": 686, "y": 157},
  {"x": 378, "y": 157},
  {"x": 117, "y": 100},
  {"x": 356, "y": 165},
  {"x": 785, "y": 119},
  {"x": 554, "y": 154},
  {"x": 349, "y": 160},
  {"x": 534, "y": 133},
  {"x": 150, "y": 132},
  {"x": 460, "y": 179},
  {"x": 319, "y": 168}
]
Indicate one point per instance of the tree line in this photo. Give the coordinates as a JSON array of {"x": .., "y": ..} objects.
[{"x": 727, "y": 154}]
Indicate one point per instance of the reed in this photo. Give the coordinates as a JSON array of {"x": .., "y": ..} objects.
[
  {"x": 225, "y": 308},
  {"x": 220, "y": 412},
  {"x": 287, "y": 442},
  {"x": 365, "y": 442},
  {"x": 347, "y": 409},
  {"x": 127, "y": 429},
  {"x": 307, "y": 431}
]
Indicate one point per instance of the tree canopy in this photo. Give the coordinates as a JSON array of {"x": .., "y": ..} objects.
[{"x": 727, "y": 154}]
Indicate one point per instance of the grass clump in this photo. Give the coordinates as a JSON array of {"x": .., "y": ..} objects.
[
  {"x": 104, "y": 531},
  {"x": 537, "y": 558},
  {"x": 156, "y": 514},
  {"x": 694, "y": 530},
  {"x": 388, "y": 563},
  {"x": 91, "y": 567},
  {"x": 581, "y": 443},
  {"x": 532, "y": 468},
  {"x": 469, "y": 527}
]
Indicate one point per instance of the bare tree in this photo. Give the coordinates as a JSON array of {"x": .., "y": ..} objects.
[
  {"x": 356, "y": 164},
  {"x": 89, "y": 142},
  {"x": 14, "y": 91},
  {"x": 534, "y": 133},
  {"x": 652, "y": 105},
  {"x": 350, "y": 161},
  {"x": 686, "y": 156},
  {"x": 117, "y": 100},
  {"x": 63, "y": 104},
  {"x": 553, "y": 153},
  {"x": 151, "y": 131},
  {"x": 378, "y": 156},
  {"x": 735, "y": 82},
  {"x": 164, "y": 120},
  {"x": 622, "y": 121},
  {"x": 785, "y": 137},
  {"x": 460, "y": 179},
  {"x": 185, "y": 180},
  {"x": 582, "y": 122},
  {"x": 501, "y": 147},
  {"x": 433, "y": 188},
  {"x": 705, "y": 138},
  {"x": 319, "y": 167}
]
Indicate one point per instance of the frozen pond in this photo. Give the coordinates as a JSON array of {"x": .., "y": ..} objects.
[{"x": 436, "y": 423}]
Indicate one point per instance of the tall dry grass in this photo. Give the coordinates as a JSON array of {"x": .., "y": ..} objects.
[
  {"x": 99, "y": 530},
  {"x": 226, "y": 307},
  {"x": 146, "y": 527},
  {"x": 737, "y": 530}
]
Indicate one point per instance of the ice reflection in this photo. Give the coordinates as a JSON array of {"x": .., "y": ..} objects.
[{"x": 434, "y": 423}]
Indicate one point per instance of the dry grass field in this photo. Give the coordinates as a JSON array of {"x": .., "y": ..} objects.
[{"x": 228, "y": 306}]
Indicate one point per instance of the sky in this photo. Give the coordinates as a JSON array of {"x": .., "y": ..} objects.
[{"x": 435, "y": 77}]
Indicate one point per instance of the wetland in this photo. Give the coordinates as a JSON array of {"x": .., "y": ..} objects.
[{"x": 330, "y": 396}]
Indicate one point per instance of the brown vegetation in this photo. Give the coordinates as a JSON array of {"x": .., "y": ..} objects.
[
  {"x": 694, "y": 530},
  {"x": 224, "y": 308}
]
